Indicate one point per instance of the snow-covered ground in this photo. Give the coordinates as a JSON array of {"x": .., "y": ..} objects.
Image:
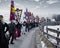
[
  {"x": 43, "y": 44},
  {"x": 25, "y": 41},
  {"x": 28, "y": 40},
  {"x": 18, "y": 42}
]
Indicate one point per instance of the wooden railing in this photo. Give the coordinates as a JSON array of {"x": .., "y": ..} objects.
[{"x": 56, "y": 38}]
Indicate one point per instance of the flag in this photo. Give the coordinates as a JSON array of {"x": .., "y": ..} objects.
[
  {"x": 26, "y": 13},
  {"x": 12, "y": 11}
]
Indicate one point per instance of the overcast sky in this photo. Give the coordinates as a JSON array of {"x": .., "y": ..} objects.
[{"x": 38, "y": 7}]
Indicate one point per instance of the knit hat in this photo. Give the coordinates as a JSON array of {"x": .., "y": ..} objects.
[{"x": 1, "y": 17}]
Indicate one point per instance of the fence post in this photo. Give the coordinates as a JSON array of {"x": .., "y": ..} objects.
[
  {"x": 42, "y": 29},
  {"x": 47, "y": 31},
  {"x": 57, "y": 37}
]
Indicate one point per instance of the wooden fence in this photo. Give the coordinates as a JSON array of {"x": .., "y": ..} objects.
[{"x": 56, "y": 38}]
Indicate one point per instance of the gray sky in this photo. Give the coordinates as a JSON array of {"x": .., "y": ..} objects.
[{"x": 38, "y": 7}]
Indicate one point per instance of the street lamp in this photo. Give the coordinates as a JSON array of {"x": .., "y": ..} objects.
[{"x": 18, "y": 13}]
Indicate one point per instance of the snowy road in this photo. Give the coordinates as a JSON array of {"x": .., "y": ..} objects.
[{"x": 20, "y": 41}]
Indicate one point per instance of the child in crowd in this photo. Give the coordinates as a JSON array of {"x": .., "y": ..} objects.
[{"x": 23, "y": 29}]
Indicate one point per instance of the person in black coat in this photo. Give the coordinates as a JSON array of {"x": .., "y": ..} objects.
[
  {"x": 4, "y": 42},
  {"x": 11, "y": 31},
  {"x": 27, "y": 27}
]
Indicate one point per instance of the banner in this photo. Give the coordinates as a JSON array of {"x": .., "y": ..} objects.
[{"x": 12, "y": 11}]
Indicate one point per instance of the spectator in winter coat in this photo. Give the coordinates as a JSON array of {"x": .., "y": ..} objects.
[
  {"x": 12, "y": 30},
  {"x": 27, "y": 27},
  {"x": 23, "y": 29},
  {"x": 4, "y": 42}
]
